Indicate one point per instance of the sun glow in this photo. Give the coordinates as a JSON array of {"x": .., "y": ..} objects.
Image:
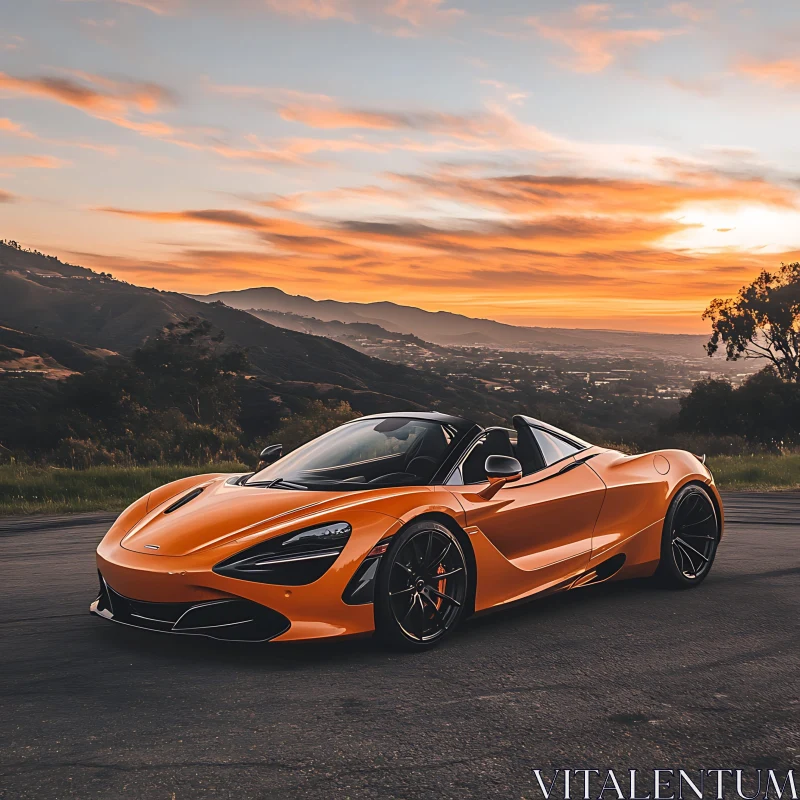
[{"x": 748, "y": 228}]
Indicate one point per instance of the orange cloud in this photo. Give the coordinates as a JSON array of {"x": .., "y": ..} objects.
[
  {"x": 420, "y": 13},
  {"x": 585, "y": 248},
  {"x": 534, "y": 194},
  {"x": 303, "y": 201},
  {"x": 570, "y": 271},
  {"x": 699, "y": 85},
  {"x": 11, "y": 43},
  {"x": 291, "y": 152},
  {"x": 595, "y": 47},
  {"x": 493, "y": 129},
  {"x": 7, "y": 126},
  {"x": 12, "y": 128},
  {"x": 416, "y": 15},
  {"x": 7, "y": 197},
  {"x": 272, "y": 95},
  {"x": 510, "y": 94},
  {"x": 216, "y": 216},
  {"x": 783, "y": 73},
  {"x": 96, "y": 94},
  {"x": 314, "y": 9},
  {"x": 317, "y": 117},
  {"x": 103, "y": 98},
  {"x": 32, "y": 162},
  {"x": 158, "y": 7},
  {"x": 688, "y": 11},
  {"x": 98, "y": 24},
  {"x": 565, "y": 234},
  {"x": 258, "y": 153}
]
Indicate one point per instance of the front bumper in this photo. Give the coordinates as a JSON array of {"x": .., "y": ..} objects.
[{"x": 228, "y": 619}]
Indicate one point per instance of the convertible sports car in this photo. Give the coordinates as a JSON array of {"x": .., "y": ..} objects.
[{"x": 403, "y": 524}]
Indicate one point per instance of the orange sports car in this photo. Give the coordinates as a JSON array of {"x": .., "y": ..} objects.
[{"x": 403, "y": 524}]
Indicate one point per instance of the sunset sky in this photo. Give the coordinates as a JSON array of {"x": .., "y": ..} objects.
[{"x": 610, "y": 165}]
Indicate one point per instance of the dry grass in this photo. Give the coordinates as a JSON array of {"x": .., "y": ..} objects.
[
  {"x": 51, "y": 490},
  {"x": 756, "y": 472}
]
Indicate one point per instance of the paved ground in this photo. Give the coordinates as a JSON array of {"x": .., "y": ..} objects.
[{"x": 618, "y": 676}]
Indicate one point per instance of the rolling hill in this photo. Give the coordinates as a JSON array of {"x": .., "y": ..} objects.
[
  {"x": 52, "y": 355},
  {"x": 40, "y": 295},
  {"x": 350, "y": 333}
]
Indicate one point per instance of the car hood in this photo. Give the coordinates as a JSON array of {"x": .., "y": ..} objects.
[{"x": 223, "y": 513}]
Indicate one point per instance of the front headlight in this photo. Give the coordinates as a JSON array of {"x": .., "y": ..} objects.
[{"x": 293, "y": 559}]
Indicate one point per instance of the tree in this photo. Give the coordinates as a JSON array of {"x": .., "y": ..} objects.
[
  {"x": 186, "y": 368},
  {"x": 318, "y": 417},
  {"x": 765, "y": 410},
  {"x": 711, "y": 408},
  {"x": 762, "y": 321}
]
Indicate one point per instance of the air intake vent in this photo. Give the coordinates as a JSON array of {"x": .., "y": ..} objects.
[
  {"x": 233, "y": 619},
  {"x": 184, "y": 500}
]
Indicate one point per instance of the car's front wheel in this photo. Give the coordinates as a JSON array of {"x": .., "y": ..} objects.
[
  {"x": 690, "y": 538},
  {"x": 422, "y": 587}
]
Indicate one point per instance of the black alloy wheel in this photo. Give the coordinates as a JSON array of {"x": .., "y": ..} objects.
[
  {"x": 422, "y": 587},
  {"x": 690, "y": 538}
]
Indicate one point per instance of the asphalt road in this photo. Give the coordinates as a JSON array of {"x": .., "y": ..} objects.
[{"x": 624, "y": 675}]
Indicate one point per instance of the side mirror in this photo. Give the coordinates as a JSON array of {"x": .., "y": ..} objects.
[
  {"x": 269, "y": 455},
  {"x": 500, "y": 470}
]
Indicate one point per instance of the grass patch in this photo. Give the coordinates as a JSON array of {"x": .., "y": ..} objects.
[
  {"x": 756, "y": 472},
  {"x": 51, "y": 490}
]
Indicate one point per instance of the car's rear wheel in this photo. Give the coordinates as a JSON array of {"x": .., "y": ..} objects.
[
  {"x": 690, "y": 538},
  {"x": 422, "y": 587}
]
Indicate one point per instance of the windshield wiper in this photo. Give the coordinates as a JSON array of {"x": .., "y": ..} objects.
[{"x": 278, "y": 483}]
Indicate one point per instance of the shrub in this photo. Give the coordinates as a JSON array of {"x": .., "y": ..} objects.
[
  {"x": 82, "y": 454},
  {"x": 317, "y": 418}
]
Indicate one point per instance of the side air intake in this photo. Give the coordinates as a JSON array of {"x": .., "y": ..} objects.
[{"x": 602, "y": 572}]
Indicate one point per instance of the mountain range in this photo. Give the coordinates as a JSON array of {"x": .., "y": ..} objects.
[{"x": 448, "y": 329}]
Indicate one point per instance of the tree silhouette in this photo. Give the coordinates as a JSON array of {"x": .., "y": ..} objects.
[
  {"x": 184, "y": 367},
  {"x": 316, "y": 418},
  {"x": 762, "y": 321}
]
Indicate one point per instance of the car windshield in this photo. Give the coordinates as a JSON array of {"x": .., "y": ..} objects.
[{"x": 365, "y": 454}]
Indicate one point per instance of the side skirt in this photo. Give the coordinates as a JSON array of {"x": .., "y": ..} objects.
[{"x": 598, "y": 574}]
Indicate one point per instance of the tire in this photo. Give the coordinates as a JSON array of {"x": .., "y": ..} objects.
[
  {"x": 423, "y": 587},
  {"x": 689, "y": 539}
]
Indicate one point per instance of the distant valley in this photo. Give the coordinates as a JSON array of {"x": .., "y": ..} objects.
[{"x": 500, "y": 357}]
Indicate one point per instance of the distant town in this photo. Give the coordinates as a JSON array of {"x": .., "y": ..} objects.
[{"x": 584, "y": 374}]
